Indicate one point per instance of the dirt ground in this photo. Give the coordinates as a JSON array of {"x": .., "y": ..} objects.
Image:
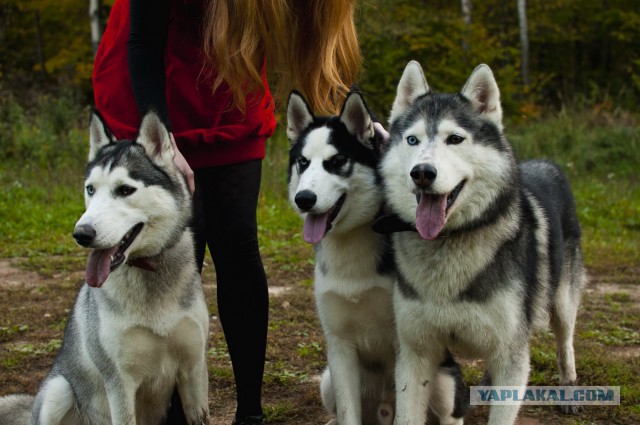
[{"x": 33, "y": 313}]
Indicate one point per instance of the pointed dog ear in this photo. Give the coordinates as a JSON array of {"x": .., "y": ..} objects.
[
  {"x": 299, "y": 116},
  {"x": 99, "y": 134},
  {"x": 412, "y": 85},
  {"x": 482, "y": 90},
  {"x": 356, "y": 117},
  {"x": 155, "y": 139}
]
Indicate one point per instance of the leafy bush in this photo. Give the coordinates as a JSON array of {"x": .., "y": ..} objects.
[{"x": 44, "y": 130}]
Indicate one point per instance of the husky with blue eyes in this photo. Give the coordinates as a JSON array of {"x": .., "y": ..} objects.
[
  {"x": 139, "y": 328},
  {"x": 335, "y": 186},
  {"x": 489, "y": 249}
]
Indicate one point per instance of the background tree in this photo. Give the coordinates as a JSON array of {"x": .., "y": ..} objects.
[
  {"x": 95, "y": 20},
  {"x": 466, "y": 6},
  {"x": 524, "y": 41}
]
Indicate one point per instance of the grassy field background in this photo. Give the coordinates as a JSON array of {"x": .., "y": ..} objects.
[{"x": 43, "y": 153}]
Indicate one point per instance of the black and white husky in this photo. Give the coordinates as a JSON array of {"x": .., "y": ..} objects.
[
  {"x": 495, "y": 247},
  {"x": 139, "y": 326},
  {"x": 335, "y": 186}
]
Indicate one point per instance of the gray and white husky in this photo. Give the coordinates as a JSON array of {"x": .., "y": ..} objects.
[
  {"x": 495, "y": 247},
  {"x": 335, "y": 186},
  {"x": 139, "y": 326}
]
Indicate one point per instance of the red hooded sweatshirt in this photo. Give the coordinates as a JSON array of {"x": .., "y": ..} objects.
[{"x": 208, "y": 131}]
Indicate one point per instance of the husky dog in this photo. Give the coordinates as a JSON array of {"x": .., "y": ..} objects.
[
  {"x": 497, "y": 248},
  {"x": 139, "y": 326},
  {"x": 335, "y": 186}
]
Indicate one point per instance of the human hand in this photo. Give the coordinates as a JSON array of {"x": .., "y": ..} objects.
[
  {"x": 380, "y": 129},
  {"x": 182, "y": 166},
  {"x": 381, "y": 138}
]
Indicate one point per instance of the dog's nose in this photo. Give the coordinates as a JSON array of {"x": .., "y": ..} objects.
[
  {"x": 305, "y": 200},
  {"x": 423, "y": 174},
  {"x": 84, "y": 234}
]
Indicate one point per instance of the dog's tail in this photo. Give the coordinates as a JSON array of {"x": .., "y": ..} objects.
[{"x": 16, "y": 409}]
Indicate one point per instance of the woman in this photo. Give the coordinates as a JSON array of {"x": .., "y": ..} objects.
[{"x": 202, "y": 66}]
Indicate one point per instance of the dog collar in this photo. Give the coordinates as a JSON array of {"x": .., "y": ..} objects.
[
  {"x": 391, "y": 223},
  {"x": 142, "y": 263}
]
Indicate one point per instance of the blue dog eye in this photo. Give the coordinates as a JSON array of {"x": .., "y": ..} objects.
[{"x": 412, "y": 140}]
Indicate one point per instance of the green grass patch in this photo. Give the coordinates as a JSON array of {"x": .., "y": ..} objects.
[
  {"x": 279, "y": 412},
  {"x": 583, "y": 141},
  {"x": 280, "y": 374},
  {"x": 37, "y": 215},
  {"x": 28, "y": 349},
  {"x": 609, "y": 213},
  {"x": 312, "y": 349},
  {"x": 220, "y": 372},
  {"x": 10, "y": 331}
]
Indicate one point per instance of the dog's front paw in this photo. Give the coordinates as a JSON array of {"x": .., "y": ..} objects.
[{"x": 202, "y": 419}]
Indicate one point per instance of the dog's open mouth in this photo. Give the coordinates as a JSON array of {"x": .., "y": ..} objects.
[
  {"x": 432, "y": 211},
  {"x": 104, "y": 261},
  {"x": 317, "y": 225},
  {"x": 453, "y": 195}
]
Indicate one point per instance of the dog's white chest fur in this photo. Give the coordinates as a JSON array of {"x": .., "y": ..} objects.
[
  {"x": 143, "y": 353},
  {"x": 352, "y": 296}
]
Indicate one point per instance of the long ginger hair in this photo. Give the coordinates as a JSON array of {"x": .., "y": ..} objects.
[{"x": 309, "y": 45}]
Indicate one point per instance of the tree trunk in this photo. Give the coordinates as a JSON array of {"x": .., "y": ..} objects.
[
  {"x": 466, "y": 11},
  {"x": 39, "y": 46},
  {"x": 95, "y": 22},
  {"x": 466, "y": 18},
  {"x": 524, "y": 41}
]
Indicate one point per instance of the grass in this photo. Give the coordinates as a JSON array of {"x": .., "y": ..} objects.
[{"x": 43, "y": 153}]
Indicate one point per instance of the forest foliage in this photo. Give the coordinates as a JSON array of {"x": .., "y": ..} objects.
[
  {"x": 585, "y": 50},
  {"x": 580, "y": 50}
]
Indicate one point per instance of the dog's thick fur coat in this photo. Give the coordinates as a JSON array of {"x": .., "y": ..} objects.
[
  {"x": 139, "y": 326},
  {"x": 495, "y": 251}
]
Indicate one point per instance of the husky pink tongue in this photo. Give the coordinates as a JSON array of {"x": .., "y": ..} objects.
[
  {"x": 430, "y": 215},
  {"x": 99, "y": 266},
  {"x": 315, "y": 226}
]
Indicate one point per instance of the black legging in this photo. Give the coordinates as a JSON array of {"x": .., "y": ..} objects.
[{"x": 225, "y": 204}]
